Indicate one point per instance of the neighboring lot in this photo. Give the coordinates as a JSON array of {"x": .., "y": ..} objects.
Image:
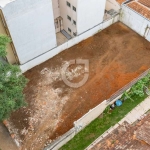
[
  {"x": 126, "y": 136},
  {"x": 117, "y": 55}
]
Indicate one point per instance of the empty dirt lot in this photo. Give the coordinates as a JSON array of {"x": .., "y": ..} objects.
[{"x": 117, "y": 55}]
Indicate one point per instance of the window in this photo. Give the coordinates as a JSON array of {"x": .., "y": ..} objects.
[
  {"x": 69, "y": 29},
  {"x": 69, "y": 18},
  {"x": 68, "y": 4},
  {"x": 74, "y": 34},
  {"x": 74, "y": 22},
  {"x": 74, "y": 8}
]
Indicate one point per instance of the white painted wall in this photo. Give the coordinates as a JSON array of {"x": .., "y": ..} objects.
[
  {"x": 135, "y": 21},
  {"x": 112, "y": 4},
  {"x": 89, "y": 14},
  {"x": 56, "y": 9},
  {"x": 68, "y": 44},
  {"x": 78, "y": 126},
  {"x": 90, "y": 116},
  {"x": 31, "y": 25},
  {"x": 62, "y": 140}
]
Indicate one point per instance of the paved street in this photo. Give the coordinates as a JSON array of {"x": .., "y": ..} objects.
[{"x": 6, "y": 143}]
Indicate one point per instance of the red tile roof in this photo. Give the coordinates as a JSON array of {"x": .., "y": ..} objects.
[
  {"x": 120, "y": 1},
  {"x": 145, "y": 2},
  {"x": 138, "y": 7},
  {"x": 125, "y": 137},
  {"x": 143, "y": 133}
]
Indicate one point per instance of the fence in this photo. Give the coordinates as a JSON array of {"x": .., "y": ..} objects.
[
  {"x": 135, "y": 21},
  {"x": 91, "y": 115},
  {"x": 78, "y": 126},
  {"x": 68, "y": 44}
]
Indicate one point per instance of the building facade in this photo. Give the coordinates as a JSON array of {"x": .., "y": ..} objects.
[{"x": 78, "y": 16}]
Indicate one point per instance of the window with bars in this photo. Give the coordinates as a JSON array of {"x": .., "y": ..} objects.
[
  {"x": 68, "y": 4},
  {"x": 69, "y": 18},
  {"x": 74, "y": 8},
  {"x": 69, "y": 29},
  {"x": 74, "y": 22}
]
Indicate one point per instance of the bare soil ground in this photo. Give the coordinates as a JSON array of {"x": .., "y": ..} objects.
[{"x": 117, "y": 55}]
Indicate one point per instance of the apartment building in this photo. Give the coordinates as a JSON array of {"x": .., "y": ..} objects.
[
  {"x": 34, "y": 25},
  {"x": 77, "y": 16}
]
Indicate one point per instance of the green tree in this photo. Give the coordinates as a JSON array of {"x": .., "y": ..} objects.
[
  {"x": 12, "y": 83},
  {"x": 4, "y": 40}
]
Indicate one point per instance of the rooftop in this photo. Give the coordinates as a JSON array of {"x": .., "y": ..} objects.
[
  {"x": 128, "y": 136},
  {"x": 145, "y": 2},
  {"x": 5, "y": 2},
  {"x": 141, "y": 6}
]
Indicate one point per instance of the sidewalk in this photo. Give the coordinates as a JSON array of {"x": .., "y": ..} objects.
[{"x": 6, "y": 142}]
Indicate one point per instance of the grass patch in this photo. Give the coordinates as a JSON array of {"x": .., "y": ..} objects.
[{"x": 100, "y": 125}]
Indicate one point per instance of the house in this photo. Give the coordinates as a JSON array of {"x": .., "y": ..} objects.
[
  {"x": 136, "y": 15},
  {"x": 36, "y": 26}
]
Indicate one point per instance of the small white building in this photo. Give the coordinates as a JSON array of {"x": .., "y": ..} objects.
[
  {"x": 30, "y": 24},
  {"x": 35, "y": 26}
]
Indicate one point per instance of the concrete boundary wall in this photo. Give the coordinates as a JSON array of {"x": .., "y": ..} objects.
[
  {"x": 62, "y": 140},
  {"x": 44, "y": 57},
  {"x": 90, "y": 116},
  {"x": 78, "y": 126},
  {"x": 85, "y": 120},
  {"x": 135, "y": 21}
]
